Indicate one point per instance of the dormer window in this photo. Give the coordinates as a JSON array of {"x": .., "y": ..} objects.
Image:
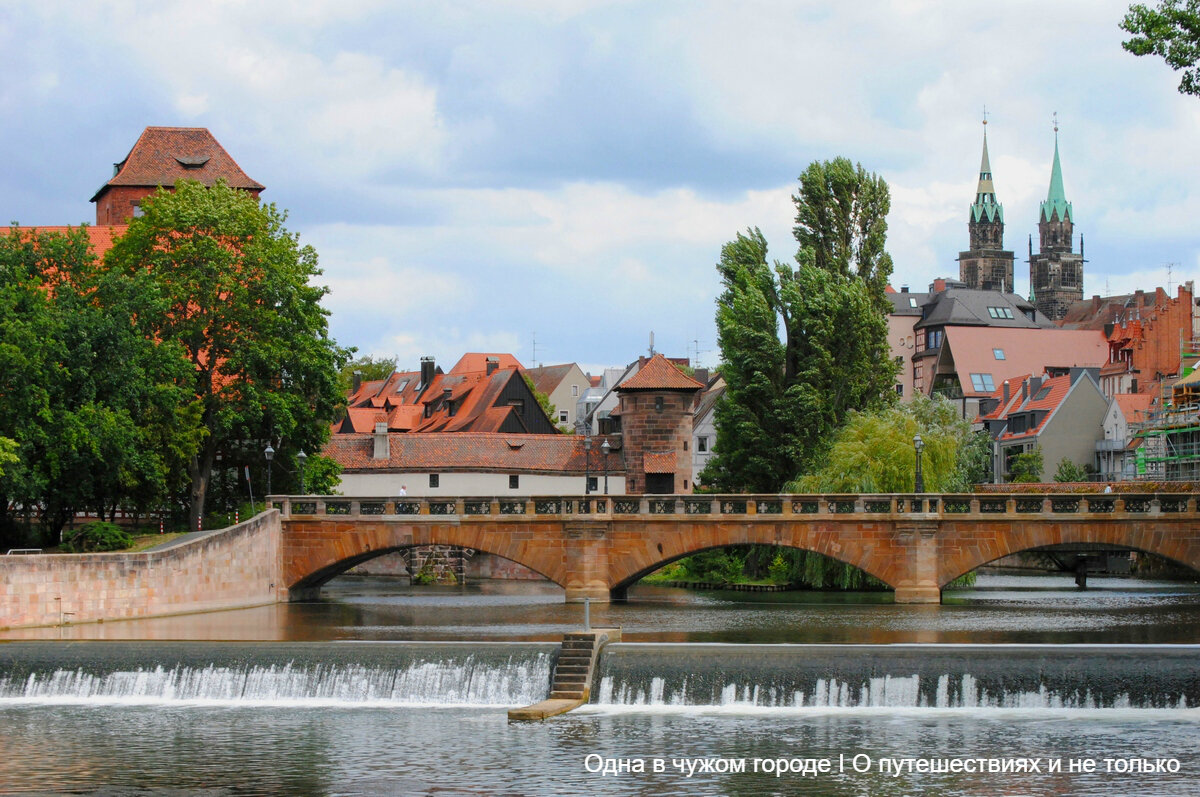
[
  {"x": 1000, "y": 312},
  {"x": 192, "y": 161}
]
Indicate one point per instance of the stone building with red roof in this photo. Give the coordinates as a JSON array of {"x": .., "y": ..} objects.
[{"x": 657, "y": 405}]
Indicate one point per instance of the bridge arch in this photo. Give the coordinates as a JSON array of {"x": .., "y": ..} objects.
[
  {"x": 630, "y": 560},
  {"x": 314, "y": 554},
  {"x": 965, "y": 550}
]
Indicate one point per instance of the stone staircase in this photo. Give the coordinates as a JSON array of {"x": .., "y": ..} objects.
[
  {"x": 571, "y": 686},
  {"x": 573, "y": 675}
]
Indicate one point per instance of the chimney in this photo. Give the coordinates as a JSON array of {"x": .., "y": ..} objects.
[
  {"x": 446, "y": 393},
  {"x": 1006, "y": 391},
  {"x": 904, "y": 289},
  {"x": 1035, "y": 384},
  {"x": 702, "y": 376},
  {"x": 380, "y": 439},
  {"x": 357, "y": 380},
  {"x": 1024, "y": 390},
  {"x": 427, "y": 371},
  {"x": 492, "y": 364}
]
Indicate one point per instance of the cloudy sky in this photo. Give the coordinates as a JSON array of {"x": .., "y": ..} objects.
[{"x": 480, "y": 175}]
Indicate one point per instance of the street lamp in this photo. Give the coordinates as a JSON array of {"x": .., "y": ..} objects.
[
  {"x": 605, "y": 448},
  {"x": 587, "y": 465},
  {"x": 269, "y": 453},
  {"x": 301, "y": 461},
  {"x": 919, "y": 485}
]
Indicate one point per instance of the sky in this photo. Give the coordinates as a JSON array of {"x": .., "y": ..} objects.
[{"x": 555, "y": 178}]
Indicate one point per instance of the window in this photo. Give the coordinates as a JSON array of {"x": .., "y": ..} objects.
[
  {"x": 982, "y": 383},
  {"x": 998, "y": 354},
  {"x": 514, "y": 481},
  {"x": 685, "y": 445},
  {"x": 520, "y": 406},
  {"x": 562, "y": 416},
  {"x": 1000, "y": 312},
  {"x": 433, "y": 479},
  {"x": 658, "y": 403},
  {"x": 701, "y": 443},
  {"x": 899, "y": 390},
  {"x": 574, "y": 390},
  {"x": 593, "y": 483},
  {"x": 137, "y": 210},
  {"x": 1043, "y": 393},
  {"x": 912, "y": 302},
  {"x": 933, "y": 338}
]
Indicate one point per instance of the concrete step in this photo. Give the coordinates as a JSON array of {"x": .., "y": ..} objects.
[
  {"x": 580, "y": 668},
  {"x": 566, "y": 695},
  {"x": 569, "y": 659},
  {"x": 578, "y": 646}
]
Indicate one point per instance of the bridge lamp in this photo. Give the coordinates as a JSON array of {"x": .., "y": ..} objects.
[
  {"x": 301, "y": 461},
  {"x": 587, "y": 465},
  {"x": 605, "y": 448},
  {"x": 919, "y": 481},
  {"x": 269, "y": 453}
]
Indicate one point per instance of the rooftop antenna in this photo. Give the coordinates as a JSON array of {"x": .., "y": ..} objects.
[
  {"x": 534, "y": 357},
  {"x": 652, "y": 343},
  {"x": 1170, "y": 267},
  {"x": 1056, "y": 124}
]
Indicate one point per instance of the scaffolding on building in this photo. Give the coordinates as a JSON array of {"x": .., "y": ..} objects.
[{"x": 1169, "y": 447}]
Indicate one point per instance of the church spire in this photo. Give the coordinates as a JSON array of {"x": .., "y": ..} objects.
[
  {"x": 1056, "y": 198},
  {"x": 986, "y": 207}
]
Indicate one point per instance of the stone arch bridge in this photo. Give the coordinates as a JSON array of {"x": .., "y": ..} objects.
[{"x": 597, "y": 546}]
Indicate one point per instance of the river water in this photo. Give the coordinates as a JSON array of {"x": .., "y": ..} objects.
[{"x": 380, "y": 688}]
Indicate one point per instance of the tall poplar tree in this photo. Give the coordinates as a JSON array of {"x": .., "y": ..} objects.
[{"x": 802, "y": 346}]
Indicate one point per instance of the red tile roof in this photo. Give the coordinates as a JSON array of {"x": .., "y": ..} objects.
[
  {"x": 660, "y": 374},
  {"x": 477, "y": 361},
  {"x": 471, "y": 451},
  {"x": 658, "y": 462},
  {"x": 1046, "y": 398},
  {"x": 547, "y": 378},
  {"x": 1026, "y": 351},
  {"x": 101, "y": 237},
  {"x": 165, "y": 155},
  {"x": 1135, "y": 406}
]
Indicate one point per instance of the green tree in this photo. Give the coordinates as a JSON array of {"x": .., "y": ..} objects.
[
  {"x": 217, "y": 274},
  {"x": 8, "y": 453},
  {"x": 92, "y": 405},
  {"x": 802, "y": 347},
  {"x": 543, "y": 401},
  {"x": 373, "y": 369},
  {"x": 1027, "y": 466},
  {"x": 874, "y": 452},
  {"x": 1068, "y": 471},
  {"x": 1170, "y": 30}
]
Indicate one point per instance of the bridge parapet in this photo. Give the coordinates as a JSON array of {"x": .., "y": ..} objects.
[{"x": 930, "y": 506}]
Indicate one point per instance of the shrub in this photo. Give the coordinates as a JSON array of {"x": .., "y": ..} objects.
[{"x": 97, "y": 537}]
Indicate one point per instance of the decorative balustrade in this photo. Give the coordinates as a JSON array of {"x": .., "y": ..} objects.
[{"x": 718, "y": 508}]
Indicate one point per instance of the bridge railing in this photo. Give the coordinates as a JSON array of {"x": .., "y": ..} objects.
[{"x": 915, "y": 505}]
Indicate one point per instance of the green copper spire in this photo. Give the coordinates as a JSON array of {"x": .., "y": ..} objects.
[
  {"x": 1056, "y": 207},
  {"x": 986, "y": 206}
]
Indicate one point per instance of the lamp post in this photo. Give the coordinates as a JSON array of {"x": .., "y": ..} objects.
[
  {"x": 919, "y": 481},
  {"x": 301, "y": 461},
  {"x": 605, "y": 448},
  {"x": 587, "y": 465},
  {"x": 269, "y": 453}
]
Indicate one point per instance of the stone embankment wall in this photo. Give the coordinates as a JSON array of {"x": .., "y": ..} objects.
[{"x": 231, "y": 568}]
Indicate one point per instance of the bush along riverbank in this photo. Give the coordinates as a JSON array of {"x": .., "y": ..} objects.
[{"x": 767, "y": 568}]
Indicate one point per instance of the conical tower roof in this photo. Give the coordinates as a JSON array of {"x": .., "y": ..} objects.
[
  {"x": 1056, "y": 207},
  {"x": 986, "y": 207}
]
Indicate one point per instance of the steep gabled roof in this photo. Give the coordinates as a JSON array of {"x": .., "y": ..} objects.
[
  {"x": 547, "y": 378},
  {"x": 477, "y": 361},
  {"x": 165, "y": 155},
  {"x": 659, "y": 374}
]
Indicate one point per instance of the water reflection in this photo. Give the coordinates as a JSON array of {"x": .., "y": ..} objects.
[{"x": 1013, "y": 609}]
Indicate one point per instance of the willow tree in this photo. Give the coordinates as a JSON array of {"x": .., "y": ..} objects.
[
  {"x": 803, "y": 345},
  {"x": 218, "y": 273}
]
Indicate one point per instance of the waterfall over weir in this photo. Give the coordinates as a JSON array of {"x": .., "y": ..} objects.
[
  {"x": 293, "y": 674},
  {"x": 900, "y": 676}
]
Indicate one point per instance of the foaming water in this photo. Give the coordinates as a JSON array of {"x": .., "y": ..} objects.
[
  {"x": 1021, "y": 677},
  {"x": 292, "y": 675}
]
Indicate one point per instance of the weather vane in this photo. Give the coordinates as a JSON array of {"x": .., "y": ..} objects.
[{"x": 1056, "y": 122}]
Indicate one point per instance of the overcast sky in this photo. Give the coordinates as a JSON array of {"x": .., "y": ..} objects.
[{"x": 476, "y": 176}]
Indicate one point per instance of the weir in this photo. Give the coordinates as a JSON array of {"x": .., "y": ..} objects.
[{"x": 630, "y": 676}]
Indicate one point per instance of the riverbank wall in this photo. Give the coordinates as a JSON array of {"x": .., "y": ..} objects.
[{"x": 225, "y": 569}]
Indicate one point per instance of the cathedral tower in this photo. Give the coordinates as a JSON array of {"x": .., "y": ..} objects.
[
  {"x": 1056, "y": 271},
  {"x": 987, "y": 265}
]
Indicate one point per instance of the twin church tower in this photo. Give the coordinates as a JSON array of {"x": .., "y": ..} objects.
[{"x": 1055, "y": 272}]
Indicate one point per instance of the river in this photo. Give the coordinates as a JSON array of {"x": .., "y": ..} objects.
[{"x": 382, "y": 688}]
